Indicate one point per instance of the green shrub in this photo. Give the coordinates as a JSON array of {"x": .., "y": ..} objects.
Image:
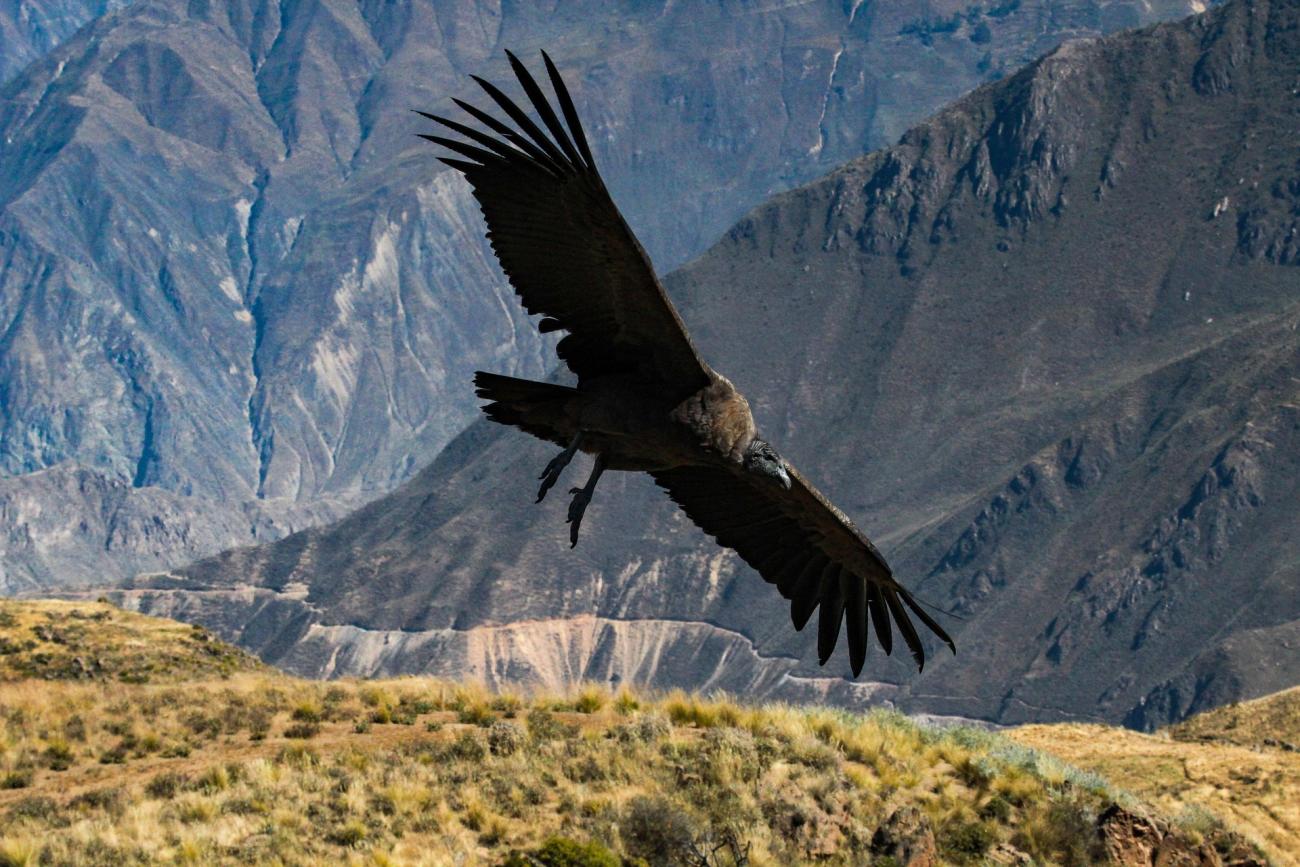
[
  {"x": 114, "y": 756},
  {"x": 967, "y": 840},
  {"x": 38, "y": 808},
  {"x": 543, "y": 726},
  {"x": 19, "y": 779},
  {"x": 58, "y": 755},
  {"x": 348, "y": 834},
  {"x": 468, "y": 747},
  {"x": 651, "y": 727},
  {"x": 658, "y": 830},
  {"x": 421, "y": 706},
  {"x": 565, "y": 852},
  {"x": 166, "y": 784},
  {"x": 308, "y": 712},
  {"x": 996, "y": 808},
  {"x": 476, "y": 715},
  {"x": 507, "y": 705},
  {"x": 246, "y": 807},
  {"x": 108, "y": 800}
]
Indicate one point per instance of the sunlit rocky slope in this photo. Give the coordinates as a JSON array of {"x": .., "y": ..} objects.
[
  {"x": 238, "y": 296},
  {"x": 1043, "y": 350}
]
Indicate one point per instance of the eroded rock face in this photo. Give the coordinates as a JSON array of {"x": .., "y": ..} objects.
[
  {"x": 28, "y": 30},
  {"x": 1131, "y": 840},
  {"x": 906, "y": 837},
  {"x": 216, "y": 214}
]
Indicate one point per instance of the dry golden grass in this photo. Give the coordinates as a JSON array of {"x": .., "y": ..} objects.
[
  {"x": 256, "y": 767},
  {"x": 262, "y": 768},
  {"x": 56, "y": 640},
  {"x": 1271, "y": 721},
  {"x": 1256, "y": 792}
]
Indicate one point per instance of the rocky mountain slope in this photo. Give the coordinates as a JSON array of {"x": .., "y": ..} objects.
[
  {"x": 30, "y": 28},
  {"x": 1044, "y": 350},
  {"x": 235, "y": 285}
]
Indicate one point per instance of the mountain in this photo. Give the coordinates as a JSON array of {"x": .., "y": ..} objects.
[
  {"x": 240, "y": 293},
  {"x": 30, "y": 29},
  {"x": 198, "y": 765},
  {"x": 1044, "y": 350}
]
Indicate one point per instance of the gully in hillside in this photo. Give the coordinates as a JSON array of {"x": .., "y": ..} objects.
[{"x": 645, "y": 400}]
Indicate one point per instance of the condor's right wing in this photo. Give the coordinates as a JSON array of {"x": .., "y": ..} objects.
[{"x": 797, "y": 540}]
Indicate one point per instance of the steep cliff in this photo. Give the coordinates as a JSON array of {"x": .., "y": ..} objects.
[{"x": 1044, "y": 350}]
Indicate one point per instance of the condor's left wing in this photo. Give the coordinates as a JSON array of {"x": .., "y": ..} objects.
[{"x": 563, "y": 243}]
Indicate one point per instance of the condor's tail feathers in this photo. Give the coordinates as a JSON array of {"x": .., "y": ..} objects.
[{"x": 538, "y": 408}]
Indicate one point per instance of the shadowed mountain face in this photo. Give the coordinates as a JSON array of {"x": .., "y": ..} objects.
[
  {"x": 235, "y": 284},
  {"x": 30, "y": 29},
  {"x": 1044, "y": 350}
]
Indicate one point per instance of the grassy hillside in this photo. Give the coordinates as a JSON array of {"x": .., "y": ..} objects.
[
  {"x": 1238, "y": 762},
  {"x": 95, "y": 641},
  {"x": 1272, "y": 721},
  {"x": 254, "y": 767}
]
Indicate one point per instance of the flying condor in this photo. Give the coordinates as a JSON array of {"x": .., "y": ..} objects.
[{"x": 645, "y": 400}]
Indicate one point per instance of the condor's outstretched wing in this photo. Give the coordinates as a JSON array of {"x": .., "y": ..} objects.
[
  {"x": 565, "y": 247},
  {"x": 797, "y": 540}
]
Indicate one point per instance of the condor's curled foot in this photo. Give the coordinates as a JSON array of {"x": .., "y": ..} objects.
[
  {"x": 551, "y": 474},
  {"x": 582, "y": 499}
]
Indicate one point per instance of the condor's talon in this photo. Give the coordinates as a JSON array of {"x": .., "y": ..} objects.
[
  {"x": 582, "y": 499},
  {"x": 577, "y": 508},
  {"x": 551, "y": 474}
]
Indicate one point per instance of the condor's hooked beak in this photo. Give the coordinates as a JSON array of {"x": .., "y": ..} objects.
[{"x": 784, "y": 477}]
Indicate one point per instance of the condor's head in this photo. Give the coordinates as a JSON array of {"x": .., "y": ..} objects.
[{"x": 763, "y": 460}]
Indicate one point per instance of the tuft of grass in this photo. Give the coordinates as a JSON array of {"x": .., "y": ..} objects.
[
  {"x": 590, "y": 700},
  {"x": 303, "y": 730}
]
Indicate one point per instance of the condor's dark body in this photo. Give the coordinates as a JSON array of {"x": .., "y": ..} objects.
[
  {"x": 645, "y": 401},
  {"x": 627, "y": 420}
]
